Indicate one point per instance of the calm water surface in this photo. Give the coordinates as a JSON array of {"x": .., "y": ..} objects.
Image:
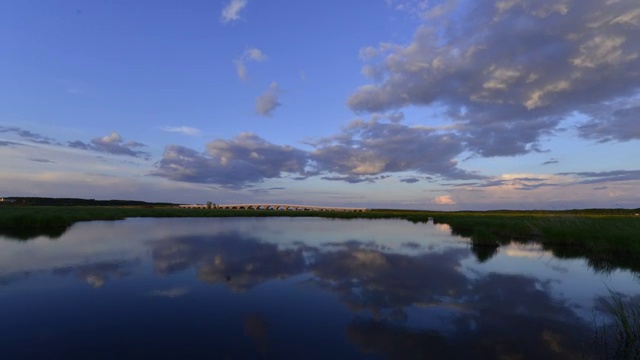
[{"x": 286, "y": 288}]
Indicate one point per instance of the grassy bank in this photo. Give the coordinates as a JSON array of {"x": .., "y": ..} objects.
[
  {"x": 25, "y": 221},
  {"x": 618, "y": 336}
]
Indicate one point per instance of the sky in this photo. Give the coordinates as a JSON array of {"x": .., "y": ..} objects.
[{"x": 412, "y": 104}]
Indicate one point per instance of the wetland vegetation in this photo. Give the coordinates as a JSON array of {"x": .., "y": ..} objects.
[{"x": 608, "y": 238}]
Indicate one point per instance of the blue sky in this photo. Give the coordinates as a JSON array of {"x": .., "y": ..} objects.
[{"x": 379, "y": 103}]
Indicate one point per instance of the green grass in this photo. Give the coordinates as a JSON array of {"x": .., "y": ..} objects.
[{"x": 619, "y": 337}]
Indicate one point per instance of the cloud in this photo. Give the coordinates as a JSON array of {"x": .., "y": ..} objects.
[
  {"x": 268, "y": 101},
  {"x": 507, "y": 73},
  {"x": 349, "y": 179},
  {"x": 410, "y": 180},
  {"x": 612, "y": 124},
  {"x": 250, "y": 54},
  {"x": 376, "y": 147},
  {"x": 515, "y": 182},
  {"x": 111, "y": 144},
  {"x": 415, "y": 7},
  {"x": 9, "y": 143},
  {"x": 443, "y": 200},
  {"x": 605, "y": 176},
  {"x": 27, "y": 135},
  {"x": 231, "y": 12},
  {"x": 551, "y": 161},
  {"x": 40, "y": 160},
  {"x": 232, "y": 163},
  {"x": 185, "y": 130},
  {"x": 365, "y": 151}
]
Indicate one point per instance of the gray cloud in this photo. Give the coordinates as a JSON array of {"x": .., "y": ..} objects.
[
  {"x": 372, "y": 148},
  {"x": 349, "y": 179},
  {"x": 78, "y": 145},
  {"x": 9, "y": 143},
  {"x": 508, "y": 72},
  {"x": 42, "y": 160},
  {"x": 622, "y": 124},
  {"x": 112, "y": 144},
  {"x": 605, "y": 176},
  {"x": 551, "y": 161},
  {"x": 410, "y": 180},
  {"x": 27, "y": 135},
  {"x": 268, "y": 101},
  {"x": 232, "y": 163},
  {"x": 363, "y": 152}
]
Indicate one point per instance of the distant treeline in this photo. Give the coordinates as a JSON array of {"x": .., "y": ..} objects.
[
  {"x": 44, "y": 201},
  {"x": 585, "y": 212}
]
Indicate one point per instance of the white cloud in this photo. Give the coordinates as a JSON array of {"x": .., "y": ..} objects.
[
  {"x": 250, "y": 54},
  {"x": 185, "y": 130},
  {"x": 443, "y": 200},
  {"x": 255, "y": 54},
  {"x": 232, "y": 11}
]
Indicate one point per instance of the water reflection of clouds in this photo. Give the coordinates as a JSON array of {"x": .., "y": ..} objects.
[
  {"x": 377, "y": 281},
  {"x": 504, "y": 316},
  {"x": 526, "y": 250},
  {"x": 388, "y": 288},
  {"x": 97, "y": 274},
  {"x": 171, "y": 293},
  {"x": 231, "y": 259}
]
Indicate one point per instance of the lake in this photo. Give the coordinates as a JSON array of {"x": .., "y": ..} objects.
[{"x": 285, "y": 288}]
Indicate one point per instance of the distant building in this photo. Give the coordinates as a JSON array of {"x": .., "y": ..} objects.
[{"x": 7, "y": 200}]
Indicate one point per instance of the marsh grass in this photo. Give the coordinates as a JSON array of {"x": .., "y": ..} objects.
[
  {"x": 619, "y": 338},
  {"x": 609, "y": 239}
]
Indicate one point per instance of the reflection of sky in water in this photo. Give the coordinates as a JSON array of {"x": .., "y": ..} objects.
[{"x": 282, "y": 286}]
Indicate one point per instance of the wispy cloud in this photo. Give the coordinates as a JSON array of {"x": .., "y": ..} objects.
[
  {"x": 9, "y": 143},
  {"x": 112, "y": 144},
  {"x": 551, "y": 161},
  {"x": 185, "y": 130},
  {"x": 268, "y": 101},
  {"x": 591, "y": 177},
  {"x": 40, "y": 160},
  {"x": 27, "y": 135},
  {"x": 231, "y": 12},
  {"x": 250, "y": 54}
]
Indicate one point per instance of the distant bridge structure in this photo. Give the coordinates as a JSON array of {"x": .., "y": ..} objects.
[{"x": 270, "y": 206}]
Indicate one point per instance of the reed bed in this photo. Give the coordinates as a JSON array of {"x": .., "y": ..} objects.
[{"x": 618, "y": 334}]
